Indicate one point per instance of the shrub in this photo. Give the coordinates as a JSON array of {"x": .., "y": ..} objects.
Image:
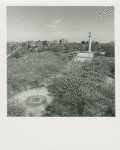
[
  {"x": 15, "y": 111},
  {"x": 52, "y": 68},
  {"x": 39, "y": 49},
  {"x": 97, "y": 54},
  {"x": 81, "y": 92},
  {"x": 19, "y": 52},
  {"x": 110, "y": 112},
  {"x": 110, "y": 51}
]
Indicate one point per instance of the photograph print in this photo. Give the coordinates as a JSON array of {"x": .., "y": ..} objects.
[{"x": 60, "y": 61}]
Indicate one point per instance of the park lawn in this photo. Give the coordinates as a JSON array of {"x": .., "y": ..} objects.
[{"x": 30, "y": 70}]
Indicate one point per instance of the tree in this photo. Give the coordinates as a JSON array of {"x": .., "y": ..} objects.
[
  {"x": 109, "y": 51},
  {"x": 83, "y": 42},
  {"x": 80, "y": 93},
  {"x": 82, "y": 47},
  {"x": 95, "y": 47}
]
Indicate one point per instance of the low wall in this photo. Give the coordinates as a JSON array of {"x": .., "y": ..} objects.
[
  {"x": 84, "y": 56},
  {"x": 89, "y": 55}
]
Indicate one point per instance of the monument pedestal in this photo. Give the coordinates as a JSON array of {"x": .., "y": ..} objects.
[{"x": 84, "y": 56}]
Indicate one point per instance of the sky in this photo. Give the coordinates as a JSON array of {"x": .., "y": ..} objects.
[{"x": 56, "y": 22}]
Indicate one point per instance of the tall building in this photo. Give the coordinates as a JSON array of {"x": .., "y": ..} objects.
[
  {"x": 60, "y": 41},
  {"x": 63, "y": 41},
  {"x": 66, "y": 41},
  {"x": 45, "y": 43}
]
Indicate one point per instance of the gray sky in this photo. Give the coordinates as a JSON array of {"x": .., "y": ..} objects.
[{"x": 54, "y": 22}]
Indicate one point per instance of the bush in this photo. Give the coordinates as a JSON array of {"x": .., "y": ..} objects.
[
  {"x": 110, "y": 112},
  {"x": 15, "y": 111},
  {"x": 81, "y": 92},
  {"x": 40, "y": 49},
  {"x": 52, "y": 68},
  {"x": 110, "y": 51},
  {"x": 113, "y": 71},
  {"x": 97, "y": 54},
  {"x": 65, "y": 106},
  {"x": 19, "y": 52}
]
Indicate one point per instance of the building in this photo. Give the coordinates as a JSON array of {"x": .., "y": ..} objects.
[
  {"x": 57, "y": 41},
  {"x": 63, "y": 41},
  {"x": 66, "y": 41},
  {"x": 60, "y": 41},
  {"x": 45, "y": 43}
]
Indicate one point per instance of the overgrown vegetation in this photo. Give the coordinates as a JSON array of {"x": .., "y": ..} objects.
[
  {"x": 83, "y": 92},
  {"x": 80, "y": 92},
  {"x": 30, "y": 70},
  {"x": 15, "y": 110}
]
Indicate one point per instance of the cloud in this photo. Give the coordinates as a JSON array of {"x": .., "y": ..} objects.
[
  {"x": 20, "y": 18},
  {"x": 51, "y": 26},
  {"x": 48, "y": 25},
  {"x": 55, "y": 26},
  {"x": 80, "y": 30},
  {"x": 23, "y": 28},
  {"x": 80, "y": 33},
  {"x": 62, "y": 35},
  {"x": 76, "y": 34},
  {"x": 83, "y": 35},
  {"x": 57, "y": 21}
]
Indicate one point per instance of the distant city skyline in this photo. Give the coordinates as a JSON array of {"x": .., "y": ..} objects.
[{"x": 57, "y": 22}]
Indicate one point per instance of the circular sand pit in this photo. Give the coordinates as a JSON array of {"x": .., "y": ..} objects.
[{"x": 34, "y": 101}]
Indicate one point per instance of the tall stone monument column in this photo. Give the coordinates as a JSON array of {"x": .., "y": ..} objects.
[
  {"x": 85, "y": 55},
  {"x": 89, "y": 41}
]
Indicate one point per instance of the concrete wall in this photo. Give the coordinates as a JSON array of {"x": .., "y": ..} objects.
[
  {"x": 83, "y": 56},
  {"x": 80, "y": 59}
]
